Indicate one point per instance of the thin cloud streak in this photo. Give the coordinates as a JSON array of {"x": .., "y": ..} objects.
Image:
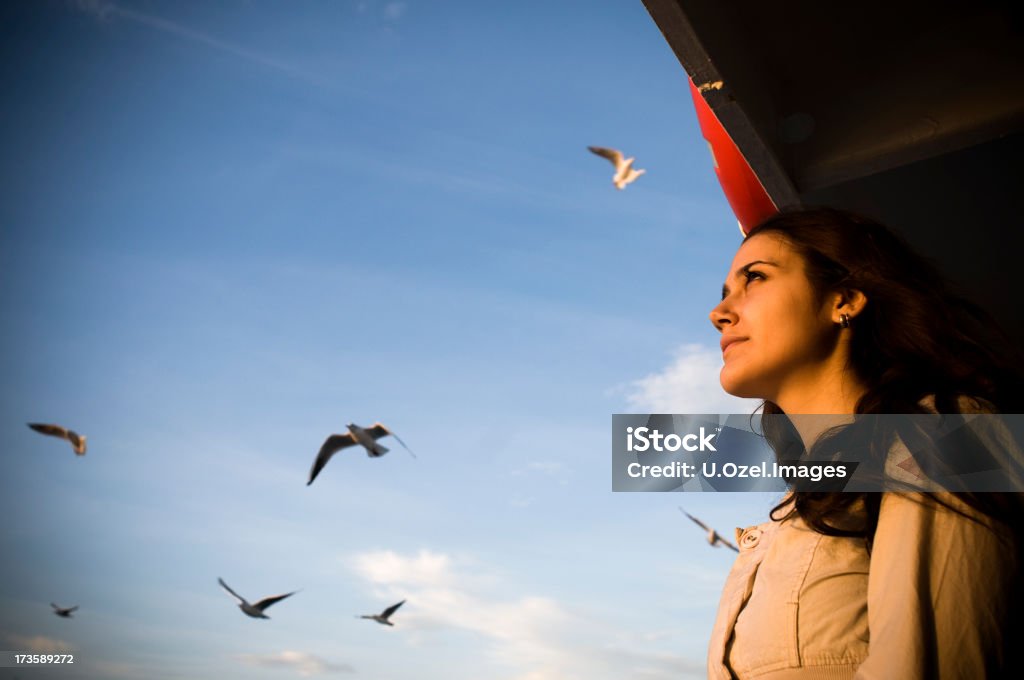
[
  {"x": 105, "y": 10},
  {"x": 435, "y": 169},
  {"x": 303, "y": 663}
]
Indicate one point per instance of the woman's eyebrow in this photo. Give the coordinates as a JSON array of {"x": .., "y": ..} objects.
[{"x": 743, "y": 270}]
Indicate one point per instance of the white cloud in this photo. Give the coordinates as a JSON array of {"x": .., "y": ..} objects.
[
  {"x": 38, "y": 644},
  {"x": 427, "y": 569},
  {"x": 305, "y": 664},
  {"x": 537, "y": 636},
  {"x": 688, "y": 385}
]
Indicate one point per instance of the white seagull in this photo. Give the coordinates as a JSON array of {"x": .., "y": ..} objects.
[
  {"x": 76, "y": 440},
  {"x": 254, "y": 610},
  {"x": 366, "y": 436},
  {"x": 624, "y": 172},
  {"x": 384, "y": 615},
  {"x": 62, "y": 612},
  {"x": 714, "y": 538}
]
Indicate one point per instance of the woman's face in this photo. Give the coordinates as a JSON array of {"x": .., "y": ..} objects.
[{"x": 776, "y": 335}]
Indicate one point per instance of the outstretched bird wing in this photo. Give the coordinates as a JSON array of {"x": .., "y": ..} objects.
[
  {"x": 267, "y": 601},
  {"x": 726, "y": 542},
  {"x": 52, "y": 430},
  {"x": 391, "y": 610},
  {"x": 77, "y": 442},
  {"x": 695, "y": 520},
  {"x": 613, "y": 155},
  {"x": 331, "y": 445},
  {"x": 233, "y": 593},
  {"x": 378, "y": 430}
]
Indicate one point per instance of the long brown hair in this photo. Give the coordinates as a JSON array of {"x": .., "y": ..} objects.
[{"x": 916, "y": 340}]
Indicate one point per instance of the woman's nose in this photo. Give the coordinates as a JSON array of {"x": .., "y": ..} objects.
[{"x": 721, "y": 315}]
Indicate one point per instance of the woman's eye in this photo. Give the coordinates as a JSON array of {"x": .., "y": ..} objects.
[{"x": 752, "y": 275}]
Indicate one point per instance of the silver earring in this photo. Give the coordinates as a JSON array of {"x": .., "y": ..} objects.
[{"x": 844, "y": 320}]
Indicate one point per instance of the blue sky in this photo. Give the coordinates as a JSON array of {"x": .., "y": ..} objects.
[{"x": 227, "y": 229}]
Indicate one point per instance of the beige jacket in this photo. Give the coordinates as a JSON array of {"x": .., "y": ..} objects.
[{"x": 933, "y": 600}]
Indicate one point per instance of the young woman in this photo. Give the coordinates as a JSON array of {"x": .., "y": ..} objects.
[{"x": 824, "y": 312}]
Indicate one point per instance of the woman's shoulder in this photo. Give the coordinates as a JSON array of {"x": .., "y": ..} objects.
[{"x": 980, "y": 451}]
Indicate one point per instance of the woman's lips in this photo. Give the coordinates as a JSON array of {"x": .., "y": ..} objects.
[{"x": 726, "y": 343}]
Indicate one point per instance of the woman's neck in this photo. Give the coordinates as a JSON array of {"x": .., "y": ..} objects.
[{"x": 821, "y": 402}]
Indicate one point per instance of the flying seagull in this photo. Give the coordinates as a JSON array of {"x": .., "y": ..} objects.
[
  {"x": 384, "y": 615},
  {"x": 367, "y": 437},
  {"x": 77, "y": 440},
  {"x": 62, "y": 612},
  {"x": 714, "y": 538},
  {"x": 254, "y": 610},
  {"x": 624, "y": 172}
]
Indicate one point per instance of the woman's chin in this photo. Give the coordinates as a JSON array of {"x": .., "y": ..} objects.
[{"x": 737, "y": 387}]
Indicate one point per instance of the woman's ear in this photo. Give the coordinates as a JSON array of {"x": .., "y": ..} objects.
[{"x": 849, "y": 302}]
